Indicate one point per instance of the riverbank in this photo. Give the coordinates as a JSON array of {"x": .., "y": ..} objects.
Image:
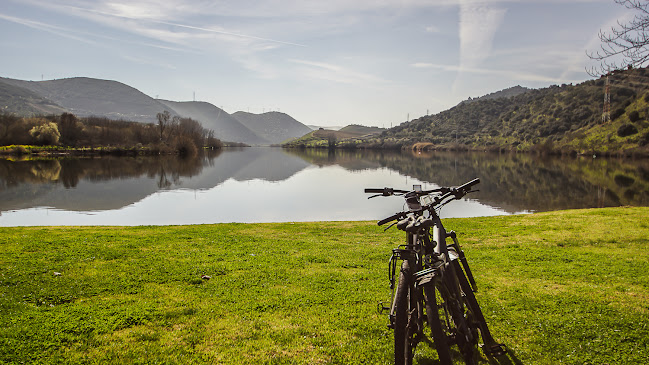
[
  {"x": 55, "y": 151},
  {"x": 566, "y": 286}
]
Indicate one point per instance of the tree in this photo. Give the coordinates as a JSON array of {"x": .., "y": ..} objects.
[
  {"x": 6, "y": 122},
  {"x": 627, "y": 44},
  {"x": 70, "y": 128},
  {"x": 163, "y": 121},
  {"x": 45, "y": 134}
]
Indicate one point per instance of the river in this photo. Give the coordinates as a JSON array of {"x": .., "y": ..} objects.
[{"x": 276, "y": 185}]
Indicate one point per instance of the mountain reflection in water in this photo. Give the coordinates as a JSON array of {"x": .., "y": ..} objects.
[{"x": 509, "y": 184}]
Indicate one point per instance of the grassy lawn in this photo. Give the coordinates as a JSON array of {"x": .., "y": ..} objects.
[{"x": 567, "y": 287}]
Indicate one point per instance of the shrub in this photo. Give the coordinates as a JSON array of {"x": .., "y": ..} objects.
[
  {"x": 45, "y": 134},
  {"x": 617, "y": 113},
  {"x": 627, "y": 130},
  {"x": 185, "y": 146},
  {"x": 634, "y": 116},
  {"x": 644, "y": 139}
]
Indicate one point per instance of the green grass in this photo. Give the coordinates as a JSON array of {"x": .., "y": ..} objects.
[{"x": 566, "y": 287}]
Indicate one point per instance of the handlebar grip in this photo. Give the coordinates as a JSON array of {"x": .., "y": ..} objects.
[
  {"x": 375, "y": 190},
  {"x": 389, "y": 219},
  {"x": 468, "y": 185}
]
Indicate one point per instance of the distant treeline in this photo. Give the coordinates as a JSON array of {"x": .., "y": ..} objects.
[{"x": 170, "y": 135}]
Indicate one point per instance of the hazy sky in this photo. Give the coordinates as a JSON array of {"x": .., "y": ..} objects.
[{"x": 324, "y": 62}]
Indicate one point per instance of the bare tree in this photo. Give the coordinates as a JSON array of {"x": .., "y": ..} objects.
[
  {"x": 163, "y": 121},
  {"x": 627, "y": 44}
]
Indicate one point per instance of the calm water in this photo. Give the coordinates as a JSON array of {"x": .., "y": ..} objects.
[{"x": 274, "y": 185}]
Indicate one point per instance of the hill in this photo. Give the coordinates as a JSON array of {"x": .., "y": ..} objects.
[
  {"x": 505, "y": 93},
  {"x": 360, "y": 130},
  {"x": 566, "y": 119},
  {"x": 20, "y": 101},
  {"x": 563, "y": 119},
  {"x": 274, "y": 127},
  {"x": 349, "y": 136},
  {"x": 85, "y": 97},
  {"x": 225, "y": 127}
]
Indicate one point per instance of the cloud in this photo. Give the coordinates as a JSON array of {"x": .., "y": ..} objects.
[
  {"x": 478, "y": 26},
  {"x": 209, "y": 30},
  {"x": 507, "y": 74},
  {"x": 60, "y": 31},
  {"x": 84, "y": 36},
  {"x": 432, "y": 29},
  {"x": 153, "y": 19},
  {"x": 148, "y": 62},
  {"x": 334, "y": 73}
]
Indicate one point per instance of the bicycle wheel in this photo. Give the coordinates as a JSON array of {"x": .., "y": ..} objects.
[
  {"x": 463, "y": 317},
  {"x": 440, "y": 338},
  {"x": 475, "y": 317},
  {"x": 403, "y": 348},
  {"x": 455, "y": 331}
]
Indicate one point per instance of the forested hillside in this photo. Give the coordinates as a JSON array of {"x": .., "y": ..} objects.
[
  {"x": 558, "y": 119},
  {"x": 566, "y": 118}
]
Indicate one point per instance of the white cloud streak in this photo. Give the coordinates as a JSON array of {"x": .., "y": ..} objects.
[
  {"x": 334, "y": 73},
  {"x": 60, "y": 31},
  {"x": 478, "y": 26},
  {"x": 508, "y": 74},
  {"x": 146, "y": 14}
]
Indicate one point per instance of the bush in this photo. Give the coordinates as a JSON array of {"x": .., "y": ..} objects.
[
  {"x": 617, "y": 113},
  {"x": 626, "y": 130},
  {"x": 185, "y": 146},
  {"x": 644, "y": 139},
  {"x": 634, "y": 116},
  {"x": 46, "y": 134}
]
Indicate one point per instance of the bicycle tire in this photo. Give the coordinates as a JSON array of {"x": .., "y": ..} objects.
[
  {"x": 461, "y": 312},
  {"x": 440, "y": 339},
  {"x": 402, "y": 340},
  {"x": 477, "y": 320},
  {"x": 454, "y": 326}
]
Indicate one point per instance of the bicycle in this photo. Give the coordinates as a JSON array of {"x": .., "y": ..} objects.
[{"x": 435, "y": 284}]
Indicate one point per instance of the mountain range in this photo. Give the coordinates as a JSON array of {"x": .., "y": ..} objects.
[
  {"x": 559, "y": 119},
  {"x": 86, "y": 97}
]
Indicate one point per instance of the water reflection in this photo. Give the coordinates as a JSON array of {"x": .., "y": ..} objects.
[
  {"x": 86, "y": 184},
  {"x": 510, "y": 183}
]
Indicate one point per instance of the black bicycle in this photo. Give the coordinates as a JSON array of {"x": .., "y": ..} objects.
[{"x": 435, "y": 285}]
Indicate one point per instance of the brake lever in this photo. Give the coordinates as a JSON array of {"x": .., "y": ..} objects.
[
  {"x": 390, "y": 226},
  {"x": 374, "y": 196}
]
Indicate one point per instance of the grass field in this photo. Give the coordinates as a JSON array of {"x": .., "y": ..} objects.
[{"x": 568, "y": 287}]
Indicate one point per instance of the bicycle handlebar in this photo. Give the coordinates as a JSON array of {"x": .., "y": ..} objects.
[
  {"x": 446, "y": 192},
  {"x": 390, "y": 218},
  {"x": 468, "y": 185},
  {"x": 385, "y": 191}
]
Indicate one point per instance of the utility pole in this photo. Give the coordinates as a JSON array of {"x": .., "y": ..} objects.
[{"x": 606, "y": 112}]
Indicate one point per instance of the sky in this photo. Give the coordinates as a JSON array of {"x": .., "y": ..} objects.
[{"x": 324, "y": 62}]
